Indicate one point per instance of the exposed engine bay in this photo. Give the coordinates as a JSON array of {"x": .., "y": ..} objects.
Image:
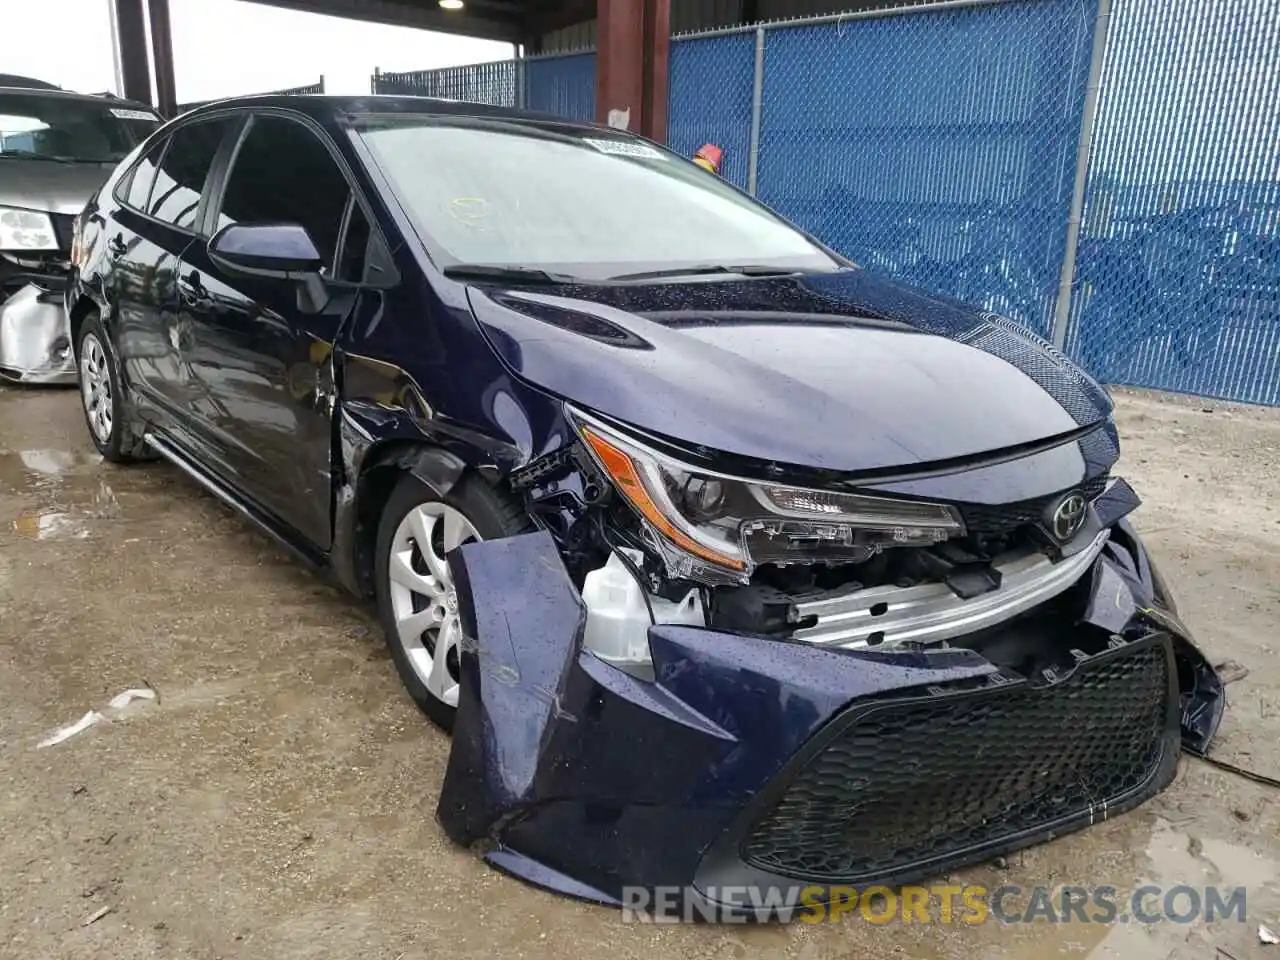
[
  {"x": 821, "y": 567},
  {"x": 790, "y": 654}
]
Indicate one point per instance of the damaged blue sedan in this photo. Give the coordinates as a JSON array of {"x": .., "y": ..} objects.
[{"x": 729, "y": 565}]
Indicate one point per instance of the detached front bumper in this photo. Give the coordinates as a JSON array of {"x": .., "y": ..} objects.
[
  {"x": 35, "y": 338},
  {"x": 767, "y": 768}
]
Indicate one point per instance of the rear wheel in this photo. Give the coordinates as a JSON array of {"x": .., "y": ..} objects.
[
  {"x": 417, "y": 602},
  {"x": 103, "y": 397}
]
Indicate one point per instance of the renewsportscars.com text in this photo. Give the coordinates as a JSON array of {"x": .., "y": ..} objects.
[{"x": 937, "y": 904}]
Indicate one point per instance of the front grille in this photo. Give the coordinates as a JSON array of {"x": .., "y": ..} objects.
[
  {"x": 902, "y": 783},
  {"x": 987, "y": 521}
]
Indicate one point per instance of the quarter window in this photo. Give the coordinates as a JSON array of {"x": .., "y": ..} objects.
[
  {"x": 176, "y": 195},
  {"x": 143, "y": 176},
  {"x": 283, "y": 173}
]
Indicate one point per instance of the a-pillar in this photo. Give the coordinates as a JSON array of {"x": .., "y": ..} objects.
[{"x": 632, "y": 43}]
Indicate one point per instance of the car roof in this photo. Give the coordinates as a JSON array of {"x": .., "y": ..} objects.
[
  {"x": 330, "y": 107},
  {"x": 16, "y": 80},
  {"x": 58, "y": 92}
]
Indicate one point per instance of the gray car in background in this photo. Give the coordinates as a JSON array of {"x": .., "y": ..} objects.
[{"x": 56, "y": 148}]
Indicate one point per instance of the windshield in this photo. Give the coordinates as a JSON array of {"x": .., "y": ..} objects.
[
  {"x": 64, "y": 128},
  {"x": 593, "y": 204}
]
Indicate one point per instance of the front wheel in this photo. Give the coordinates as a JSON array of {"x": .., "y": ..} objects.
[{"x": 417, "y": 602}]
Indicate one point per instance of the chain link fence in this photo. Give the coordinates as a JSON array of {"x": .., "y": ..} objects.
[
  {"x": 937, "y": 144},
  {"x": 560, "y": 84},
  {"x": 712, "y": 86},
  {"x": 1177, "y": 281},
  {"x": 492, "y": 83}
]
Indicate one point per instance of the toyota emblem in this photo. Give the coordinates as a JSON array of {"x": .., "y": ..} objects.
[{"x": 1068, "y": 517}]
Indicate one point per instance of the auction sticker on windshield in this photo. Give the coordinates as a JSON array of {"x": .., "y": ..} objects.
[
  {"x": 624, "y": 148},
  {"x": 123, "y": 114}
]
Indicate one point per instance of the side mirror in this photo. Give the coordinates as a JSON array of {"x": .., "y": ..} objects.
[{"x": 283, "y": 250}]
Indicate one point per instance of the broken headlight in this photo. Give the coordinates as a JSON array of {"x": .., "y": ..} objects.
[
  {"x": 22, "y": 230},
  {"x": 717, "y": 528}
]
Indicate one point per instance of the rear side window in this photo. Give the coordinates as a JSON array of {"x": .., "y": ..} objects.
[
  {"x": 176, "y": 195},
  {"x": 143, "y": 176},
  {"x": 283, "y": 173}
]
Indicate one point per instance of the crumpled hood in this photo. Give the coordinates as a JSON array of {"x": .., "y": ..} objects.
[
  {"x": 845, "y": 372},
  {"x": 48, "y": 186}
]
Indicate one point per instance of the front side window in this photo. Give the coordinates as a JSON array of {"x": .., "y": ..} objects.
[
  {"x": 175, "y": 198},
  {"x": 56, "y": 127},
  {"x": 283, "y": 173},
  {"x": 591, "y": 203}
]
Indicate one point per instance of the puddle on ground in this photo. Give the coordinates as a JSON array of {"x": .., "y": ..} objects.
[
  {"x": 1176, "y": 857},
  {"x": 57, "y": 477},
  {"x": 50, "y": 525},
  {"x": 28, "y": 469},
  {"x": 105, "y": 505}
]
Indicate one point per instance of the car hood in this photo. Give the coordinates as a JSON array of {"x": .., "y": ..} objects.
[
  {"x": 847, "y": 372},
  {"x": 49, "y": 186}
]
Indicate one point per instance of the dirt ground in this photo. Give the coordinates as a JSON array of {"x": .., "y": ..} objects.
[{"x": 277, "y": 801}]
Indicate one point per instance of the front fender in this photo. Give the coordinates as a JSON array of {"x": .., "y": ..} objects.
[
  {"x": 566, "y": 769},
  {"x": 375, "y": 444}
]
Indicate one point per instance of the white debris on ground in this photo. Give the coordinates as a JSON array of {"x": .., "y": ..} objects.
[
  {"x": 116, "y": 704},
  {"x": 67, "y": 732},
  {"x": 122, "y": 700}
]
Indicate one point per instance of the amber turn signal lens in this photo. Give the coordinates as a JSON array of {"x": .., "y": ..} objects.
[{"x": 622, "y": 470}]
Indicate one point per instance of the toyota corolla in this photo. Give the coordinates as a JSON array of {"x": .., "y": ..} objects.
[{"x": 726, "y": 562}]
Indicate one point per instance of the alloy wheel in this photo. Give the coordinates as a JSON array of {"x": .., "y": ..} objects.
[
  {"x": 424, "y": 603},
  {"x": 95, "y": 385}
]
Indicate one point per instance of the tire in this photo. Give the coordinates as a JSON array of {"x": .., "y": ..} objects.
[
  {"x": 104, "y": 399},
  {"x": 415, "y": 512}
]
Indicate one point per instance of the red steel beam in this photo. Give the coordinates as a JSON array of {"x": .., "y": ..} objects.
[
  {"x": 130, "y": 30},
  {"x": 632, "y": 44},
  {"x": 162, "y": 57}
]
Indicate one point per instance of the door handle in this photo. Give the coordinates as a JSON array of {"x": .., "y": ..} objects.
[{"x": 116, "y": 246}]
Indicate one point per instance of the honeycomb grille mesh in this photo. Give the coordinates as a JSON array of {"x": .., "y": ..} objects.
[{"x": 907, "y": 783}]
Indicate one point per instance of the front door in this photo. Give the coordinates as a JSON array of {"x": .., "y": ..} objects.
[{"x": 261, "y": 354}]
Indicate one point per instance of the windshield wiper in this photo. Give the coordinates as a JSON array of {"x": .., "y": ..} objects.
[
  {"x": 515, "y": 274},
  {"x": 744, "y": 270}
]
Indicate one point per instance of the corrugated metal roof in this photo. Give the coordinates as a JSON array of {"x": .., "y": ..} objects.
[{"x": 576, "y": 37}]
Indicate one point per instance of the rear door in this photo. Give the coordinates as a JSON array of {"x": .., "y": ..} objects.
[
  {"x": 142, "y": 277},
  {"x": 157, "y": 223},
  {"x": 263, "y": 354}
]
